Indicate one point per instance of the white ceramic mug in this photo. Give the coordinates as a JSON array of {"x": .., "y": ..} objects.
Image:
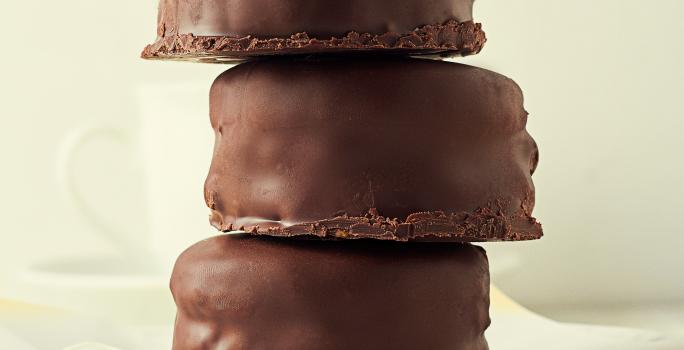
[
  {"x": 177, "y": 144},
  {"x": 173, "y": 144}
]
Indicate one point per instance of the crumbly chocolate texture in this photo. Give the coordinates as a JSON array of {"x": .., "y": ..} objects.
[
  {"x": 390, "y": 149},
  {"x": 242, "y": 292},
  {"x": 449, "y": 39},
  {"x": 482, "y": 225}
]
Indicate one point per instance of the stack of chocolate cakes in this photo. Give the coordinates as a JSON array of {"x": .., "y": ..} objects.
[{"x": 352, "y": 168}]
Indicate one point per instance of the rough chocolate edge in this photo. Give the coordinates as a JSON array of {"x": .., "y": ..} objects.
[
  {"x": 448, "y": 39},
  {"x": 483, "y": 225}
]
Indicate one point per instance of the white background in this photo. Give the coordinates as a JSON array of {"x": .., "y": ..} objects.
[{"x": 603, "y": 82}]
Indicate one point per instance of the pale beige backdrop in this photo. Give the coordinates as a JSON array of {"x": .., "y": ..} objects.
[{"x": 603, "y": 83}]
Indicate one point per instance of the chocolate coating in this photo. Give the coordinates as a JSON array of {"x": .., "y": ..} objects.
[
  {"x": 239, "y": 28},
  {"x": 240, "y": 292},
  {"x": 403, "y": 149}
]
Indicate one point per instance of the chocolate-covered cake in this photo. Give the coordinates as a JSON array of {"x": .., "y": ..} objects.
[
  {"x": 240, "y": 292},
  {"x": 392, "y": 149},
  {"x": 211, "y": 29},
  {"x": 351, "y": 175}
]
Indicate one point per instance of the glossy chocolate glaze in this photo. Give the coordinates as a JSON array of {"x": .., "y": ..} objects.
[
  {"x": 321, "y": 18},
  {"x": 261, "y": 27},
  {"x": 396, "y": 149},
  {"x": 240, "y": 292}
]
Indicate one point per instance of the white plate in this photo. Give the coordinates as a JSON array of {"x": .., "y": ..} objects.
[{"x": 103, "y": 287}]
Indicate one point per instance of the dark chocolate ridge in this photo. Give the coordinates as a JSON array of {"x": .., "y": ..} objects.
[
  {"x": 482, "y": 225},
  {"x": 448, "y": 39}
]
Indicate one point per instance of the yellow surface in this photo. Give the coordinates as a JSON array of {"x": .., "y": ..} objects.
[
  {"x": 500, "y": 302},
  {"x": 12, "y": 307}
]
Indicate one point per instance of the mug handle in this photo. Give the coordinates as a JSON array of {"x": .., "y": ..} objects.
[{"x": 66, "y": 178}]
